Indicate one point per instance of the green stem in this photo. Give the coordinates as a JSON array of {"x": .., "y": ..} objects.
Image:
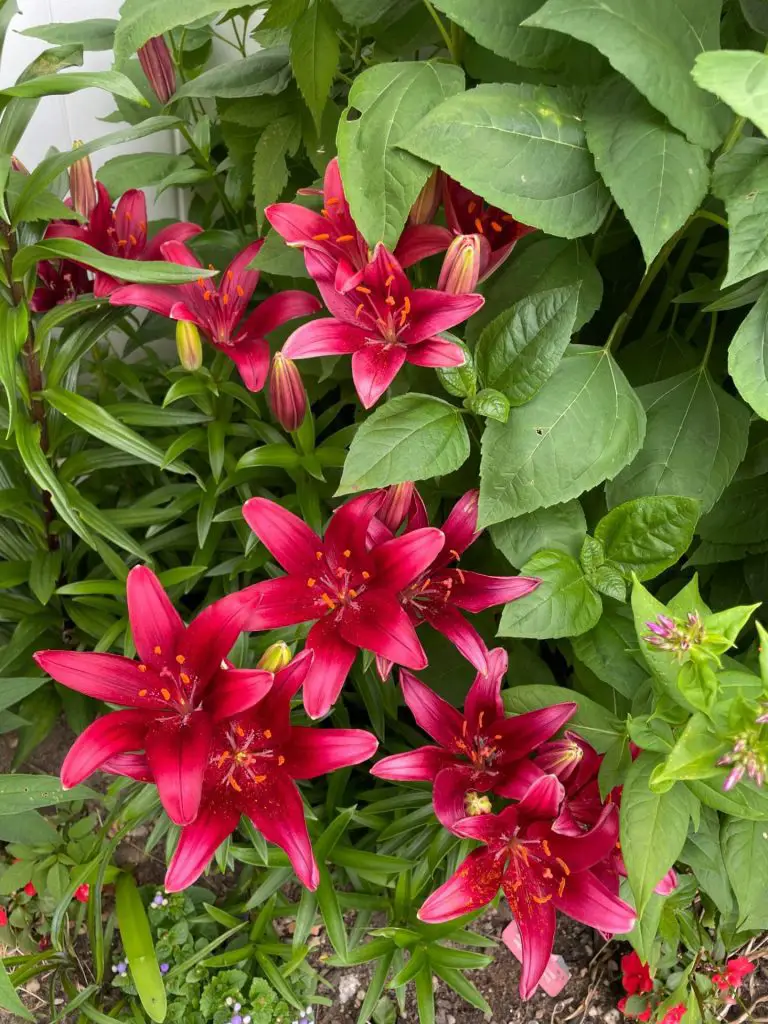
[
  {"x": 714, "y": 217},
  {"x": 443, "y": 31},
  {"x": 602, "y": 232},
  {"x": 229, "y": 210},
  {"x": 710, "y": 342},
  {"x": 672, "y": 286}
]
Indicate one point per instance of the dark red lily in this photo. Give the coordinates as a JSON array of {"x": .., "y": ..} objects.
[
  {"x": 469, "y": 215},
  {"x": 351, "y": 590},
  {"x": 254, "y": 761},
  {"x": 122, "y": 232},
  {"x": 540, "y": 872},
  {"x": 219, "y": 312},
  {"x": 439, "y": 594},
  {"x": 173, "y": 695},
  {"x": 479, "y": 750},
  {"x": 383, "y": 322},
  {"x": 60, "y": 281},
  {"x": 331, "y": 234}
]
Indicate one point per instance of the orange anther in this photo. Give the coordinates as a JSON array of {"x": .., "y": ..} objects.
[
  {"x": 224, "y": 299},
  {"x": 331, "y": 604},
  {"x": 142, "y": 668},
  {"x": 180, "y": 659},
  {"x": 479, "y": 225},
  {"x": 311, "y": 581},
  {"x": 267, "y": 734},
  {"x": 345, "y": 238},
  {"x": 165, "y": 694},
  {"x": 496, "y": 226},
  {"x": 498, "y": 736},
  {"x": 352, "y": 593},
  {"x": 545, "y": 847},
  {"x": 471, "y": 207},
  {"x": 237, "y": 787},
  {"x": 366, "y": 575},
  {"x": 142, "y": 693},
  {"x": 346, "y": 552},
  {"x": 207, "y": 295},
  {"x": 389, "y": 280},
  {"x": 157, "y": 650},
  {"x": 318, "y": 555},
  {"x": 240, "y": 731},
  {"x": 561, "y": 887},
  {"x": 320, "y": 238},
  {"x": 280, "y": 761},
  {"x": 563, "y": 865},
  {"x": 362, "y": 289},
  {"x": 259, "y": 778},
  {"x": 240, "y": 291},
  {"x": 390, "y": 301},
  {"x": 223, "y": 757},
  {"x": 455, "y": 553},
  {"x": 184, "y": 678},
  {"x": 359, "y": 310}
]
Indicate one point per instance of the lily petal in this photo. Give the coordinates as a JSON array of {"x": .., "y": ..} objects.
[
  {"x": 251, "y": 357},
  {"x": 111, "y": 734},
  {"x": 133, "y": 766},
  {"x": 534, "y": 912},
  {"x": 420, "y": 765},
  {"x": 435, "y": 352},
  {"x": 451, "y": 787},
  {"x": 286, "y": 536},
  {"x": 155, "y": 623},
  {"x": 464, "y": 637},
  {"x": 543, "y": 799},
  {"x": 296, "y": 224},
  {"x": 312, "y": 752},
  {"x": 173, "y": 233},
  {"x": 198, "y": 843},
  {"x": 177, "y": 751},
  {"x": 327, "y": 337},
  {"x": 374, "y": 366},
  {"x": 236, "y": 689},
  {"x": 107, "y": 677},
  {"x": 281, "y": 602},
  {"x": 399, "y": 561},
  {"x": 278, "y": 813},
  {"x": 210, "y": 636},
  {"x": 484, "y": 697},
  {"x": 378, "y": 623},
  {"x": 435, "y": 716},
  {"x": 420, "y": 241},
  {"x": 473, "y": 886},
  {"x": 433, "y": 312},
  {"x": 474, "y": 592},
  {"x": 158, "y": 298},
  {"x": 521, "y": 734},
  {"x": 460, "y": 528},
  {"x": 333, "y": 660},
  {"x": 278, "y": 309},
  {"x": 587, "y": 900}
]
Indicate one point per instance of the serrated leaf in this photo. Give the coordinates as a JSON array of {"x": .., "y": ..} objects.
[
  {"x": 270, "y": 171},
  {"x": 315, "y": 57},
  {"x": 741, "y": 181},
  {"x": 265, "y": 73},
  {"x": 90, "y": 33},
  {"x": 748, "y": 357},
  {"x": 557, "y": 528},
  {"x": 563, "y": 604},
  {"x": 745, "y": 852},
  {"x": 543, "y": 456},
  {"x": 740, "y": 78},
  {"x": 140, "y": 20},
  {"x": 647, "y": 535},
  {"x": 655, "y": 175}
]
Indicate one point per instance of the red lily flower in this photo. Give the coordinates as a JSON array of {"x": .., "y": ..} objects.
[
  {"x": 351, "y": 591},
  {"x": 254, "y": 761},
  {"x": 61, "y": 281},
  {"x": 438, "y": 593},
  {"x": 477, "y": 751},
  {"x": 635, "y": 975},
  {"x": 495, "y": 231},
  {"x": 331, "y": 234},
  {"x": 219, "y": 313},
  {"x": 173, "y": 696},
  {"x": 120, "y": 233},
  {"x": 539, "y": 870},
  {"x": 383, "y": 322}
]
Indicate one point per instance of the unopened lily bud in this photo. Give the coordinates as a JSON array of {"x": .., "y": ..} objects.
[
  {"x": 275, "y": 657},
  {"x": 157, "y": 64},
  {"x": 17, "y": 165},
  {"x": 396, "y": 505},
  {"x": 82, "y": 187},
  {"x": 287, "y": 397},
  {"x": 188, "y": 345},
  {"x": 461, "y": 266},
  {"x": 427, "y": 201}
]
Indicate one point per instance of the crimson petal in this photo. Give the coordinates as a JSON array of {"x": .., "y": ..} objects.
[
  {"x": 108, "y": 677},
  {"x": 374, "y": 366},
  {"x": 434, "y": 311},
  {"x": 523, "y": 733},
  {"x": 587, "y": 900},
  {"x": 111, "y": 734},
  {"x": 332, "y": 662},
  {"x": 286, "y": 536},
  {"x": 435, "y": 716},
  {"x": 251, "y": 357},
  {"x": 451, "y": 787},
  {"x": 236, "y": 689},
  {"x": 177, "y": 750},
  {"x": 474, "y": 592},
  {"x": 420, "y": 765},
  {"x": 281, "y": 602},
  {"x": 473, "y": 886},
  {"x": 464, "y": 637},
  {"x": 275, "y": 808},
  {"x": 155, "y": 623},
  {"x": 173, "y": 233},
  {"x": 133, "y": 766},
  {"x": 378, "y": 623},
  {"x": 279, "y": 308},
  {"x": 312, "y": 752},
  {"x": 435, "y": 352},
  {"x": 484, "y": 697},
  {"x": 399, "y": 561},
  {"x": 327, "y": 337},
  {"x": 198, "y": 843},
  {"x": 210, "y": 636},
  {"x": 534, "y": 912}
]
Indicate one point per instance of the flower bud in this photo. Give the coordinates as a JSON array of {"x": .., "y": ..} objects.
[
  {"x": 157, "y": 64},
  {"x": 287, "y": 397},
  {"x": 396, "y": 504},
  {"x": 18, "y": 166},
  {"x": 427, "y": 201},
  {"x": 461, "y": 267},
  {"x": 275, "y": 657},
  {"x": 82, "y": 187},
  {"x": 475, "y": 805},
  {"x": 188, "y": 345}
]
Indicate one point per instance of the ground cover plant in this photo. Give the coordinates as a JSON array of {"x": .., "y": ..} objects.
[{"x": 391, "y": 532}]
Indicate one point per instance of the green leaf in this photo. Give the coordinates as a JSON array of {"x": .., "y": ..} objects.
[
  {"x": 139, "y": 948},
  {"x": 412, "y": 437},
  {"x": 91, "y": 33},
  {"x": 140, "y": 20},
  {"x": 62, "y": 85},
  {"x": 647, "y": 535},
  {"x": 542, "y": 265},
  {"x": 538, "y": 131},
  {"x": 144, "y": 271},
  {"x": 270, "y": 171},
  {"x": 139, "y": 170},
  {"x": 564, "y": 604},
  {"x": 702, "y": 852},
  {"x": 520, "y": 350},
  {"x": 609, "y": 650},
  {"x": 740, "y": 78},
  {"x": 655, "y": 175},
  {"x": 20, "y": 793},
  {"x": 328, "y": 903},
  {"x": 18, "y": 112},
  {"x": 741, "y": 181},
  {"x": 265, "y": 73},
  {"x": 695, "y": 439},
  {"x": 489, "y": 403},
  {"x": 315, "y": 56},
  {"x": 557, "y": 528},
  {"x": 543, "y": 456},
  {"x": 744, "y": 801},
  {"x": 9, "y": 1000},
  {"x": 693, "y": 756},
  {"x": 748, "y": 357},
  {"x": 673, "y": 34},
  {"x": 12, "y": 690},
  {"x": 654, "y": 827},
  {"x": 98, "y": 422},
  {"x": 44, "y": 571},
  {"x": 592, "y": 721},
  {"x": 756, "y": 14},
  {"x": 382, "y": 182},
  {"x": 745, "y": 852},
  {"x": 28, "y": 827}
]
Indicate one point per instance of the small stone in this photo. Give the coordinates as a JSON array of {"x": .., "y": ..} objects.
[
  {"x": 360, "y": 996},
  {"x": 348, "y": 987},
  {"x": 588, "y": 949},
  {"x": 451, "y": 1019},
  {"x": 592, "y": 1011},
  {"x": 612, "y": 1017}
]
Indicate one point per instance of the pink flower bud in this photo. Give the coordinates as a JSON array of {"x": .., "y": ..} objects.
[
  {"x": 188, "y": 345},
  {"x": 461, "y": 266},
  {"x": 17, "y": 165},
  {"x": 427, "y": 201},
  {"x": 287, "y": 397},
  {"x": 157, "y": 64},
  {"x": 82, "y": 187},
  {"x": 396, "y": 505},
  {"x": 275, "y": 657}
]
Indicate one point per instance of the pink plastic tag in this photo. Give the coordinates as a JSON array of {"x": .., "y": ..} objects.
[{"x": 555, "y": 977}]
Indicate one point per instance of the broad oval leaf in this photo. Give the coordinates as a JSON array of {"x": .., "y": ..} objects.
[
  {"x": 265, "y": 73},
  {"x": 647, "y": 535},
  {"x": 592, "y": 721},
  {"x": 744, "y": 853},
  {"x": 535, "y": 163},
  {"x": 563, "y": 604},
  {"x": 609, "y": 650},
  {"x": 740, "y": 77},
  {"x": 583, "y": 427},
  {"x": 748, "y": 357},
  {"x": 413, "y": 437},
  {"x": 741, "y": 181},
  {"x": 557, "y": 528}
]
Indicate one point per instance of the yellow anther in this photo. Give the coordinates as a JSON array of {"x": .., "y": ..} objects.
[
  {"x": 165, "y": 694},
  {"x": 157, "y": 650},
  {"x": 180, "y": 659},
  {"x": 311, "y": 581}
]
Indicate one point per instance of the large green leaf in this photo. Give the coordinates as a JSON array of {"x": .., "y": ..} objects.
[
  {"x": 20, "y": 793},
  {"x": 647, "y": 535},
  {"x": 584, "y": 426},
  {"x": 270, "y": 171},
  {"x": 702, "y": 852},
  {"x": 381, "y": 181},
  {"x": 535, "y": 163},
  {"x": 62, "y": 85},
  {"x": 696, "y": 438},
  {"x": 740, "y": 77},
  {"x": 741, "y": 181},
  {"x": 139, "y": 170},
  {"x": 91, "y": 33},
  {"x": 145, "y": 271},
  {"x": 315, "y": 56},
  {"x": 592, "y": 721},
  {"x": 140, "y": 20},
  {"x": 265, "y": 73},
  {"x": 656, "y": 176},
  {"x": 741, "y": 512},
  {"x": 654, "y": 45},
  {"x": 744, "y": 853},
  {"x": 748, "y": 357},
  {"x": 654, "y": 827},
  {"x": 139, "y": 948},
  {"x": 744, "y": 801},
  {"x": 557, "y": 528},
  {"x": 520, "y": 350},
  {"x": 18, "y": 112},
  {"x": 563, "y": 604},
  {"x": 609, "y": 650},
  {"x": 413, "y": 437}
]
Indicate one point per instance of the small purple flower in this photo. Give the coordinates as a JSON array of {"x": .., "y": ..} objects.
[
  {"x": 747, "y": 757},
  {"x": 120, "y": 968},
  {"x": 762, "y": 718},
  {"x": 674, "y": 635},
  {"x": 164, "y": 968}
]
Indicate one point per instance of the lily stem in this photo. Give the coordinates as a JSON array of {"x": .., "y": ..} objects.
[{"x": 443, "y": 31}]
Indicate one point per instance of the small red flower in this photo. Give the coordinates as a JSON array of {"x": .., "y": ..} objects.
[
  {"x": 675, "y": 1015},
  {"x": 737, "y": 969},
  {"x": 82, "y": 892},
  {"x": 3, "y": 917},
  {"x": 44, "y": 943},
  {"x": 30, "y": 890},
  {"x": 635, "y": 975}
]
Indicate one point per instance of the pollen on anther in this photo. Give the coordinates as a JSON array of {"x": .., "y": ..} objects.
[
  {"x": 240, "y": 291},
  {"x": 184, "y": 678},
  {"x": 180, "y": 659},
  {"x": 280, "y": 761},
  {"x": 455, "y": 553},
  {"x": 207, "y": 295},
  {"x": 311, "y": 581},
  {"x": 165, "y": 694},
  {"x": 157, "y": 650},
  {"x": 142, "y": 693},
  {"x": 561, "y": 887},
  {"x": 240, "y": 731},
  {"x": 352, "y": 593},
  {"x": 390, "y": 300},
  {"x": 563, "y": 865},
  {"x": 359, "y": 310},
  {"x": 496, "y": 226},
  {"x": 362, "y": 289},
  {"x": 345, "y": 238},
  {"x": 389, "y": 280},
  {"x": 541, "y": 899},
  {"x": 267, "y": 734},
  {"x": 366, "y": 575},
  {"x": 259, "y": 778},
  {"x": 498, "y": 736},
  {"x": 545, "y": 847},
  {"x": 479, "y": 225},
  {"x": 320, "y": 238},
  {"x": 142, "y": 668},
  {"x": 235, "y": 785},
  {"x": 346, "y": 552},
  {"x": 224, "y": 300},
  {"x": 318, "y": 555},
  {"x": 331, "y": 604}
]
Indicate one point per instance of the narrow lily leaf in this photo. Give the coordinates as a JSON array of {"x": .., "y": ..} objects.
[
  {"x": 142, "y": 271},
  {"x": 62, "y": 85},
  {"x": 139, "y": 948}
]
